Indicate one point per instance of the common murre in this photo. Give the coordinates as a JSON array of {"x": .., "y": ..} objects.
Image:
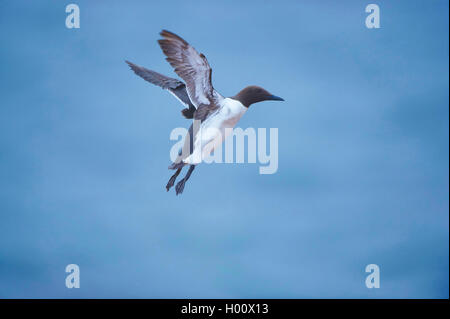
[{"x": 204, "y": 104}]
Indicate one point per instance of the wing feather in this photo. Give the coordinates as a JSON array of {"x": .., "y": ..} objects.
[
  {"x": 174, "y": 86},
  {"x": 194, "y": 69}
]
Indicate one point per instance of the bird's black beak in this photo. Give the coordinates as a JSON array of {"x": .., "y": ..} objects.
[{"x": 275, "y": 98}]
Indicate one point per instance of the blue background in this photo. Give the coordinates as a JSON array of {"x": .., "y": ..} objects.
[{"x": 363, "y": 152}]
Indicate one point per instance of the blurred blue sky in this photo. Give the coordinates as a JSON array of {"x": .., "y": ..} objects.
[{"x": 363, "y": 152}]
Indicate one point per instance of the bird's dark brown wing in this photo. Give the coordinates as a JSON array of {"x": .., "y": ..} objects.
[
  {"x": 174, "y": 86},
  {"x": 194, "y": 69}
]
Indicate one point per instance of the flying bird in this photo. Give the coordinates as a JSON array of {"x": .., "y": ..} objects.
[{"x": 203, "y": 104}]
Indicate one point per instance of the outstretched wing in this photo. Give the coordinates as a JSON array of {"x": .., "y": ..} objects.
[
  {"x": 175, "y": 87},
  {"x": 193, "y": 68}
]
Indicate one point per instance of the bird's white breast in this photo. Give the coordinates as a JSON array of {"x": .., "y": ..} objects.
[
  {"x": 226, "y": 116},
  {"x": 213, "y": 130},
  {"x": 229, "y": 114}
]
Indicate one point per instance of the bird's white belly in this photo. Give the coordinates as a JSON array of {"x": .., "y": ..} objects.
[{"x": 215, "y": 129}]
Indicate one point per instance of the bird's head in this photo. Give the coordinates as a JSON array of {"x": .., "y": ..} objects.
[{"x": 253, "y": 94}]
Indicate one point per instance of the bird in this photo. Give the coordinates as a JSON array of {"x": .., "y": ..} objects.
[{"x": 203, "y": 104}]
